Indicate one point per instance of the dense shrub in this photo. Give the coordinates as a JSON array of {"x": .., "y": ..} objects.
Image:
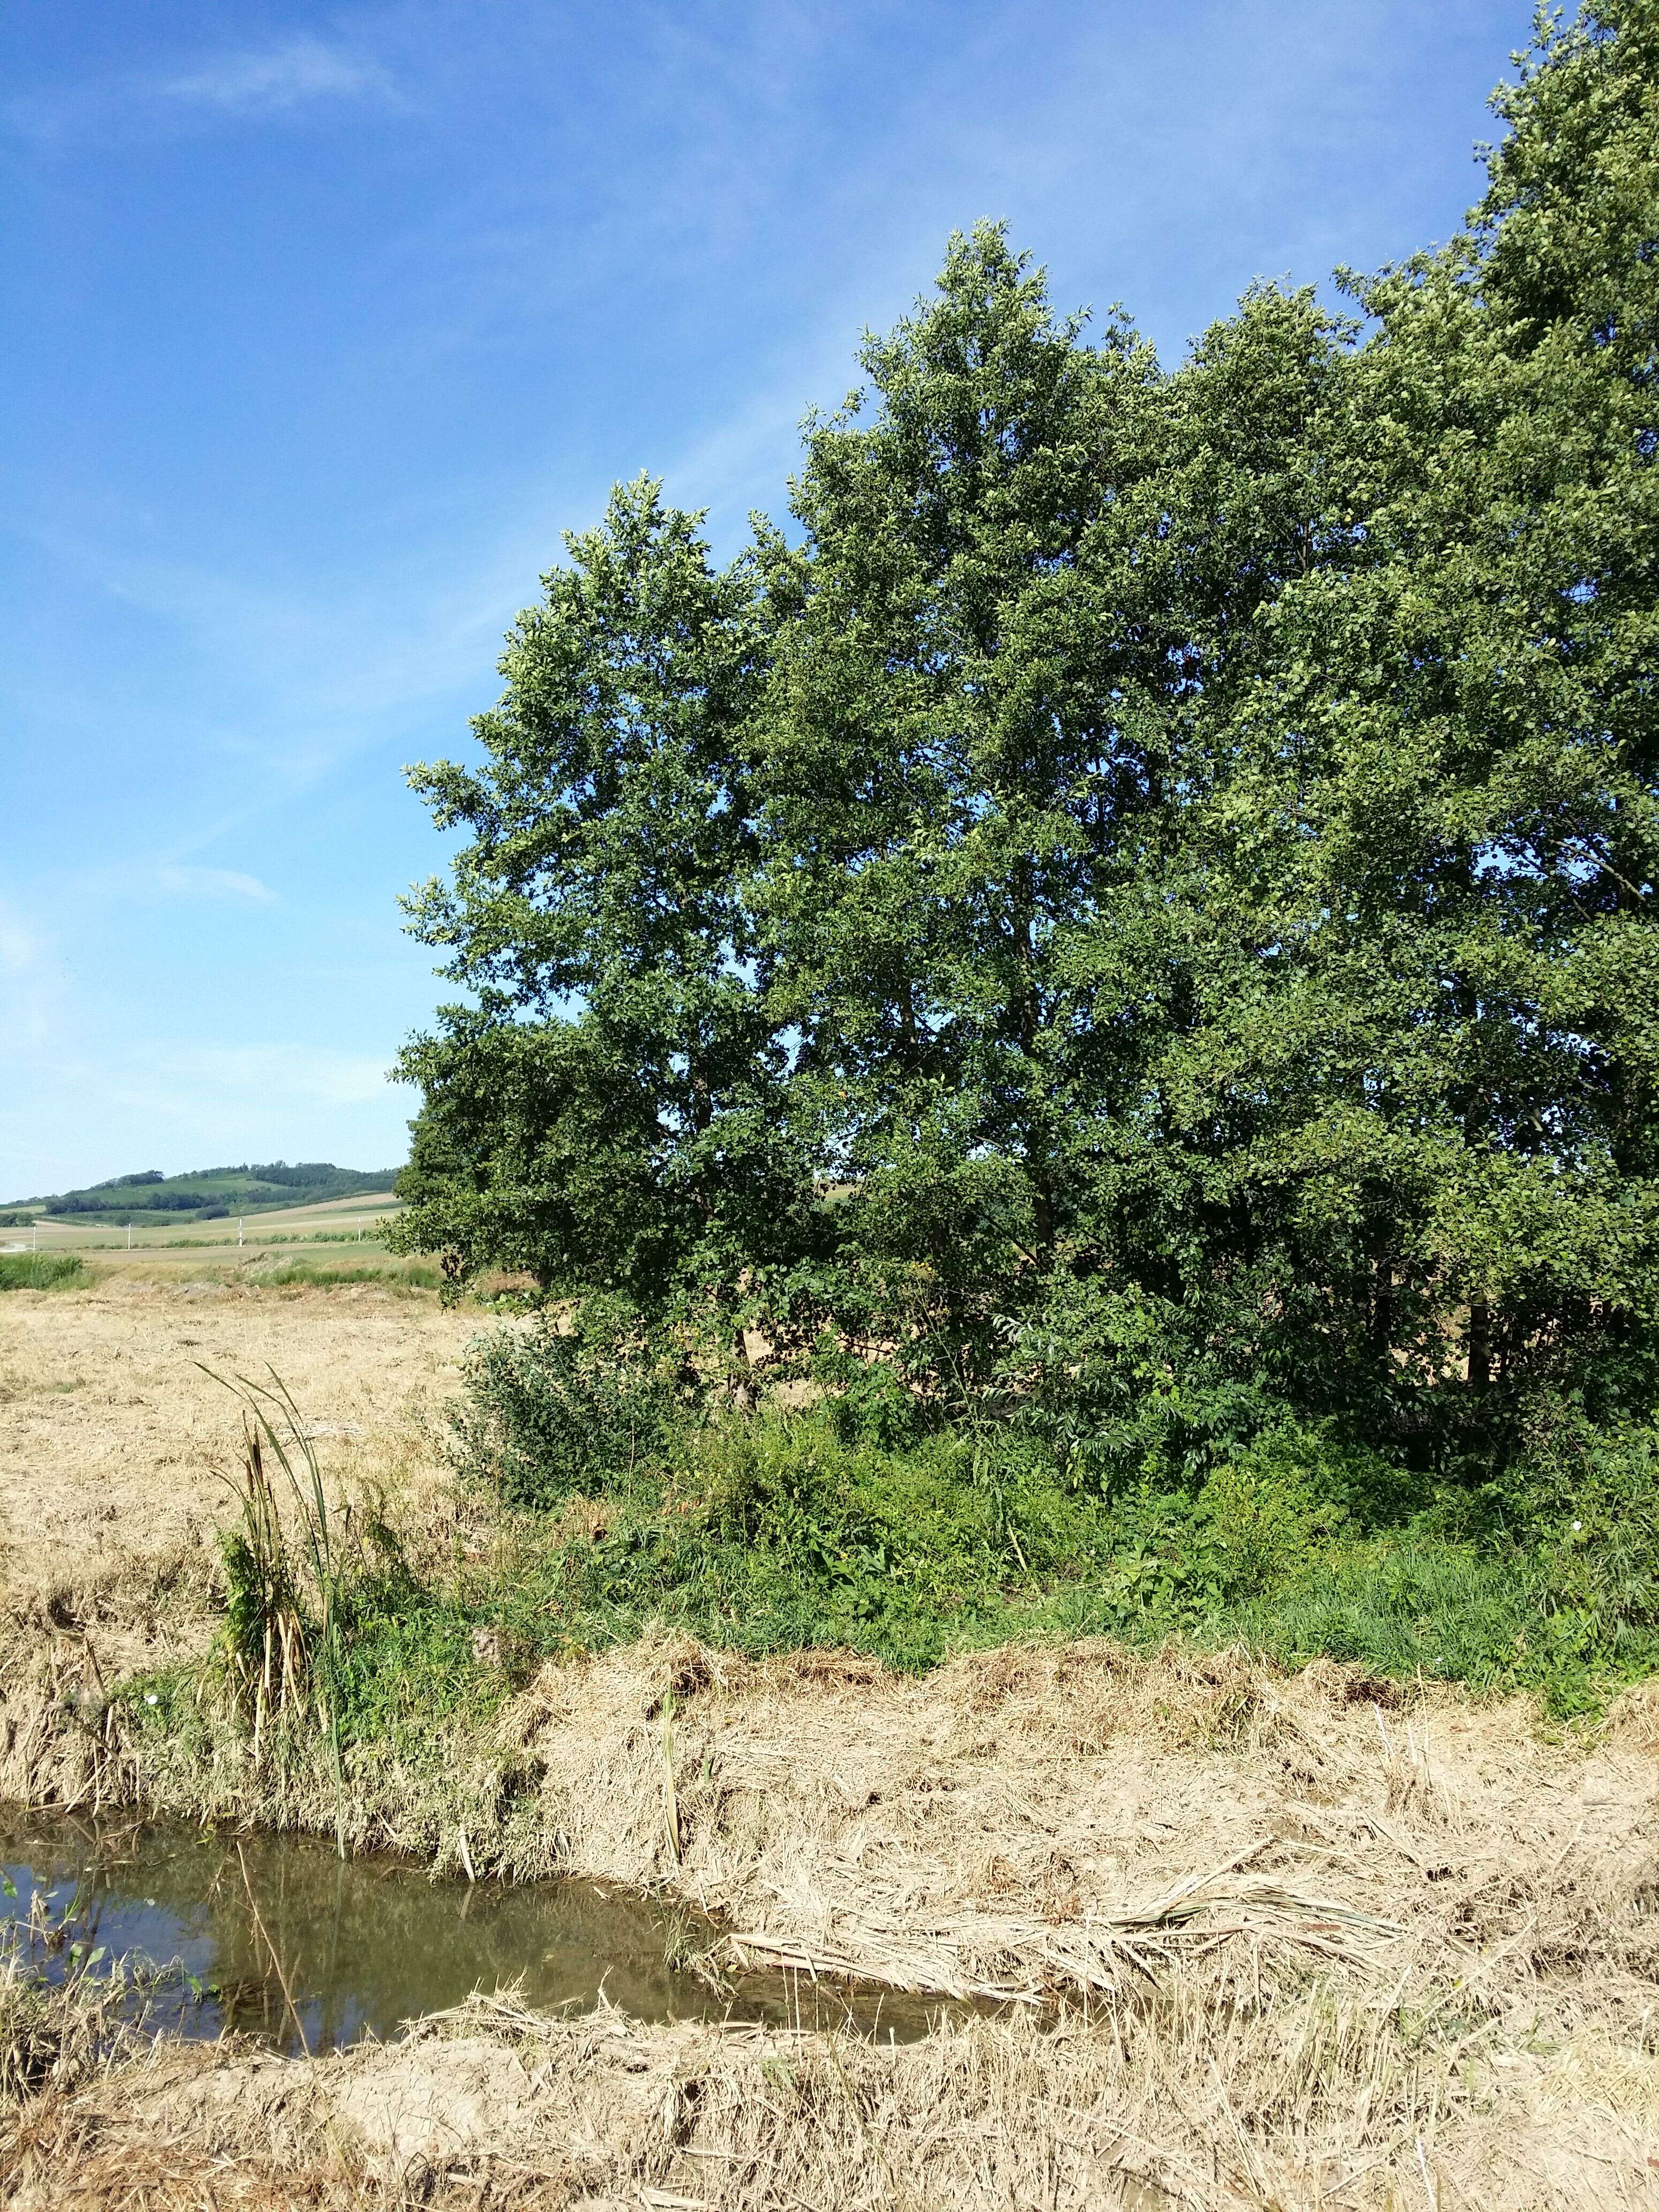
[
  {"x": 557, "y": 1407},
  {"x": 774, "y": 1529}
]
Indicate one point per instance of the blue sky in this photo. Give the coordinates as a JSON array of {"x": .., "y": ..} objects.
[{"x": 323, "y": 323}]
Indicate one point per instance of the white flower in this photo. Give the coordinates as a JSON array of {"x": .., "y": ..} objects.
[
  {"x": 150, "y": 1697},
  {"x": 1577, "y": 1524}
]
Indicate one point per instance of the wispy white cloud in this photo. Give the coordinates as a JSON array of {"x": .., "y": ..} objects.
[
  {"x": 148, "y": 880},
  {"x": 19, "y": 949},
  {"x": 215, "y": 882},
  {"x": 303, "y": 69},
  {"x": 249, "y": 81},
  {"x": 31, "y": 984}
]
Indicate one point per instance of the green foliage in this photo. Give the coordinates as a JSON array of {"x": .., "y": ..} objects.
[
  {"x": 283, "y": 1642},
  {"x": 552, "y": 1410},
  {"x": 771, "y": 1532},
  {"x": 39, "y": 1271},
  {"x": 775, "y": 1530},
  {"x": 1133, "y": 923},
  {"x": 1263, "y": 1522},
  {"x": 634, "y": 1144}
]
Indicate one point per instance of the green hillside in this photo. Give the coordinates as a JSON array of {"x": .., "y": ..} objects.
[{"x": 210, "y": 1194}]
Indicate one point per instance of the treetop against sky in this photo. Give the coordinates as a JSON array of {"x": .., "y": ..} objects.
[{"x": 336, "y": 317}]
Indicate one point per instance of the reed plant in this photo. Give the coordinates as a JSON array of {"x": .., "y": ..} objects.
[
  {"x": 49, "y": 2031},
  {"x": 283, "y": 1642}
]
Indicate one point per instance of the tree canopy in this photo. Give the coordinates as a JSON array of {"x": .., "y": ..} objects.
[{"x": 1143, "y": 897}]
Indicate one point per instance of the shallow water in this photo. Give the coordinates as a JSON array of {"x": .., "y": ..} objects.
[{"x": 276, "y": 1937}]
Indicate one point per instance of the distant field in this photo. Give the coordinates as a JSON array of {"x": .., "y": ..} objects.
[
  {"x": 332, "y": 1215},
  {"x": 202, "y": 1194},
  {"x": 334, "y": 1236}
]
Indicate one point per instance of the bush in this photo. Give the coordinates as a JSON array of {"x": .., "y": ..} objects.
[
  {"x": 555, "y": 1409},
  {"x": 867, "y": 1520},
  {"x": 1599, "y": 1550},
  {"x": 869, "y": 1399},
  {"x": 1262, "y": 1523}
]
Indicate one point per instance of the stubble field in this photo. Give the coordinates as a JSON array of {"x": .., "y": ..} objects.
[{"x": 115, "y": 1436}]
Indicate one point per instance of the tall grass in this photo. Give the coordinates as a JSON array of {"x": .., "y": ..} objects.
[
  {"x": 283, "y": 1636},
  {"x": 39, "y": 1271},
  {"x": 327, "y": 1274},
  {"x": 50, "y": 2033}
]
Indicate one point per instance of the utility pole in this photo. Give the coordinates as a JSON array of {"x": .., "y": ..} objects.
[
  {"x": 129, "y": 1236},
  {"x": 238, "y": 1232}
]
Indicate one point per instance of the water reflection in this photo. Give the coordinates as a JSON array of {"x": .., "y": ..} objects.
[{"x": 277, "y": 1937}]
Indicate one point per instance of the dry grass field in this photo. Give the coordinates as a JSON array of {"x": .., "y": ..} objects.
[
  {"x": 111, "y": 1433},
  {"x": 1315, "y": 1942}
]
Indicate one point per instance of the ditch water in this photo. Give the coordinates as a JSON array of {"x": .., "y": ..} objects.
[{"x": 275, "y": 1935}]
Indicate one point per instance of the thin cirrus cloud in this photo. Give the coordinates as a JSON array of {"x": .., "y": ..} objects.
[
  {"x": 245, "y": 82},
  {"x": 168, "y": 1075},
  {"x": 214, "y": 883},
  {"x": 303, "y": 70},
  {"x": 18, "y": 948}
]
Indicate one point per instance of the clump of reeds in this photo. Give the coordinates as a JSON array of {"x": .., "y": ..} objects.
[
  {"x": 49, "y": 2031},
  {"x": 283, "y": 1641}
]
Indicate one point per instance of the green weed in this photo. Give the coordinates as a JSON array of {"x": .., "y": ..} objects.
[
  {"x": 39, "y": 1271},
  {"x": 321, "y": 1274},
  {"x": 854, "y": 1524},
  {"x": 551, "y": 1411},
  {"x": 619, "y": 1509}
]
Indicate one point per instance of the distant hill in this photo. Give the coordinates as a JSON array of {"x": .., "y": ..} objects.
[{"x": 210, "y": 1194}]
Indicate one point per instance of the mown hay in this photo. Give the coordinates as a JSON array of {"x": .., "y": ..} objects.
[
  {"x": 110, "y": 1432},
  {"x": 492, "y": 2106},
  {"x": 1313, "y": 1937}
]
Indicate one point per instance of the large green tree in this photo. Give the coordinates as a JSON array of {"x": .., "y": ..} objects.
[
  {"x": 1144, "y": 895},
  {"x": 1440, "y": 805},
  {"x": 605, "y": 1113}
]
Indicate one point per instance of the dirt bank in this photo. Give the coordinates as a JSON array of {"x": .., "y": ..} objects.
[
  {"x": 1314, "y": 1919},
  {"x": 493, "y": 2107}
]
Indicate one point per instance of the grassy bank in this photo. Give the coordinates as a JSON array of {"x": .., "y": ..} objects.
[
  {"x": 1338, "y": 1925},
  {"x": 40, "y": 1271},
  {"x": 598, "y": 1512},
  {"x": 368, "y": 1628},
  {"x": 1314, "y": 1931}
]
